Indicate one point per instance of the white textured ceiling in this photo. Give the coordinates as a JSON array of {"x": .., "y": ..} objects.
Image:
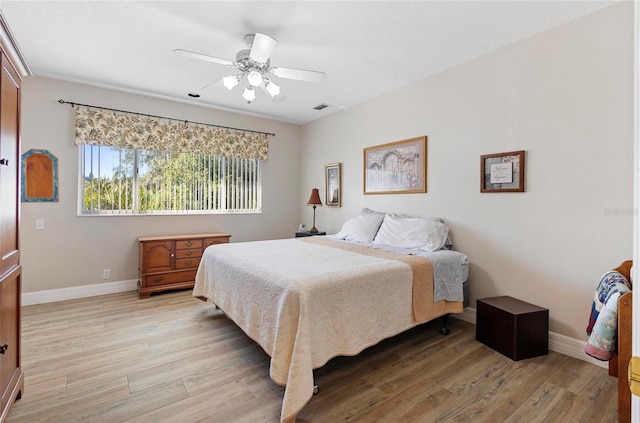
[{"x": 366, "y": 48}]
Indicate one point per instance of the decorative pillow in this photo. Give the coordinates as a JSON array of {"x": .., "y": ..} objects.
[
  {"x": 448, "y": 244},
  {"x": 412, "y": 232},
  {"x": 362, "y": 228}
]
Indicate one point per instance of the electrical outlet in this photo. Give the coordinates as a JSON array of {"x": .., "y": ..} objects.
[
  {"x": 39, "y": 224},
  {"x": 106, "y": 274}
]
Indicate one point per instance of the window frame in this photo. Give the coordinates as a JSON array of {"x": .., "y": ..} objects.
[{"x": 135, "y": 210}]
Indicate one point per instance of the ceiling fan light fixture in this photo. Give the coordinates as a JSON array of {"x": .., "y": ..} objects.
[
  {"x": 254, "y": 63},
  {"x": 249, "y": 94},
  {"x": 230, "y": 81},
  {"x": 272, "y": 89},
  {"x": 254, "y": 78}
]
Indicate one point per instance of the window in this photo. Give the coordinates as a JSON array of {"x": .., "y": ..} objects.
[{"x": 117, "y": 180}]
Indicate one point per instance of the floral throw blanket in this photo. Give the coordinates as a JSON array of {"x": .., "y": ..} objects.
[{"x": 603, "y": 321}]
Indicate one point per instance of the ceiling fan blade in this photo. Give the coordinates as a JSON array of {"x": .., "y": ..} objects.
[
  {"x": 218, "y": 82},
  {"x": 201, "y": 56},
  {"x": 262, "y": 47},
  {"x": 299, "y": 74}
]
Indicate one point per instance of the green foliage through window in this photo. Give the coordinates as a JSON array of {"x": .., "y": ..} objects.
[{"x": 125, "y": 181}]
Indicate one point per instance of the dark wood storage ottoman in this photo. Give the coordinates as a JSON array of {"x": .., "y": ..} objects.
[{"x": 512, "y": 327}]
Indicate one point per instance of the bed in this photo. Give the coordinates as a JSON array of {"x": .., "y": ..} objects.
[{"x": 307, "y": 300}]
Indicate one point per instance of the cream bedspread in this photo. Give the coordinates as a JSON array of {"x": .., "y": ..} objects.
[{"x": 305, "y": 301}]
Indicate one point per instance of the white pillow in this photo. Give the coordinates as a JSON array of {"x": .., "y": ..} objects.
[
  {"x": 362, "y": 228},
  {"x": 411, "y": 232},
  {"x": 448, "y": 244}
]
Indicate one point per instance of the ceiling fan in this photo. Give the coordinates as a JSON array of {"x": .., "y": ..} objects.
[{"x": 254, "y": 64}]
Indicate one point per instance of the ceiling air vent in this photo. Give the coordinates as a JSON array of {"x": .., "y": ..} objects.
[{"x": 321, "y": 106}]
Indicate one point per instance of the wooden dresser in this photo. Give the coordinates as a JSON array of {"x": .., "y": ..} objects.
[{"x": 171, "y": 261}]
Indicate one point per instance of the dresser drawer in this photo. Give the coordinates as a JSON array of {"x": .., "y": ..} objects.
[
  {"x": 185, "y": 254},
  {"x": 188, "y": 243},
  {"x": 188, "y": 263},
  {"x": 169, "y": 278},
  {"x": 213, "y": 241}
]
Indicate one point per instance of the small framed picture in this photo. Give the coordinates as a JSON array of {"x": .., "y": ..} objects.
[
  {"x": 39, "y": 176},
  {"x": 332, "y": 185},
  {"x": 503, "y": 172}
]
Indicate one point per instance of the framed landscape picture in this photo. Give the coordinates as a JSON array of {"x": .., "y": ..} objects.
[{"x": 396, "y": 168}]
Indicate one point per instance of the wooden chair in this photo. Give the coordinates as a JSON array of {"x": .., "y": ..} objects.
[{"x": 619, "y": 364}]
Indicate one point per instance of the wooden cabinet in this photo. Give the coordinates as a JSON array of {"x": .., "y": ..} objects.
[
  {"x": 11, "y": 375},
  {"x": 12, "y": 69},
  {"x": 171, "y": 262}
]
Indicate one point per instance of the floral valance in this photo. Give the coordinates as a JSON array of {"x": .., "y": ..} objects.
[{"x": 128, "y": 130}]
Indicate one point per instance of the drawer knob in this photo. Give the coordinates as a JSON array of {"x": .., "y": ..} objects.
[
  {"x": 4, "y": 348},
  {"x": 189, "y": 263},
  {"x": 158, "y": 279},
  {"x": 189, "y": 253},
  {"x": 189, "y": 243}
]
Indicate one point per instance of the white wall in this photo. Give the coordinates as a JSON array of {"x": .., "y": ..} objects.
[
  {"x": 73, "y": 251},
  {"x": 566, "y": 97}
]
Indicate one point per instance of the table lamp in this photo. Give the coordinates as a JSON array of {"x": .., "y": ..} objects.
[{"x": 314, "y": 201}]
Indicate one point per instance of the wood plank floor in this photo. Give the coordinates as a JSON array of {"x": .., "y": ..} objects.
[{"x": 173, "y": 358}]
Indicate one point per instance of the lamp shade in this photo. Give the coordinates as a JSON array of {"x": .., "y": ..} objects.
[
  {"x": 314, "y": 200},
  {"x": 230, "y": 81},
  {"x": 272, "y": 89},
  {"x": 254, "y": 78},
  {"x": 249, "y": 94}
]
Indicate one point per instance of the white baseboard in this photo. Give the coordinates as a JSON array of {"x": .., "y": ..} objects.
[
  {"x": 62, "y": 294},
  {"x": 468, "y": 315},
  {"x": 558, "y": 343}
]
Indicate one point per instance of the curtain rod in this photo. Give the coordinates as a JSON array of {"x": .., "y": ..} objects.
[{"x": 163, "y": 117}]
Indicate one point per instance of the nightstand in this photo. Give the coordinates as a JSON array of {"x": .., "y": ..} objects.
[
  {"x": 303, "y": 234},
  {"x": 512, "y": 327}
]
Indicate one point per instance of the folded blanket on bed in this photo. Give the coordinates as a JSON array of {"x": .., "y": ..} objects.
[
  {"x": 603, "y": 321},
  {"x": 422, "y": 270}
]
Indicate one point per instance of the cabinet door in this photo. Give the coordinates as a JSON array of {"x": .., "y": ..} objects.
[
  {"x": 9, "y": 335},
  {"x": 10, "y": 167},
  {"x": 156, "y": 256}
]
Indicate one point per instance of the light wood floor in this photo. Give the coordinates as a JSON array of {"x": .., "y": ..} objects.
[{"x": 173, "y": 358}]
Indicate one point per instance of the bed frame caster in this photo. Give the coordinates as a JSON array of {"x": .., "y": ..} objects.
[
  {"x": 316, "y": 388},
  {"x": 445, "y": 329}
]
